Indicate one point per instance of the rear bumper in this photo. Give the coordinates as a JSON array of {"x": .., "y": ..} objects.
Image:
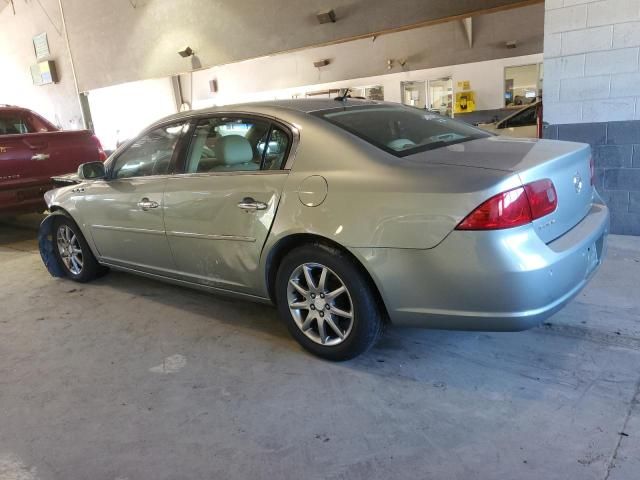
[{"x": 503, "y": 280}]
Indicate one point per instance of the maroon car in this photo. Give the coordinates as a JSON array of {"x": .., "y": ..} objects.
[{"x": 32, "y": 150}]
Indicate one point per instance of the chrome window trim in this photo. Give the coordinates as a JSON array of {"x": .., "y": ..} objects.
[
  {"x": 229, "y": 174},
  {"x": 143, "y": 177}
]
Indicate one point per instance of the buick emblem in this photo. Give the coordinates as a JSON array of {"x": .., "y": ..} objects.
[{"x": 577, "y": 182}]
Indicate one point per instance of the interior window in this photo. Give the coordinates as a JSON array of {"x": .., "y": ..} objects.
[
  {"x": 224, "y": 144},
  {"x": 150, "y": 154},
  {"x": 526, "y": 118},
  {"x": 522, "y": 84},
  {"x": 276, "y": 150}
]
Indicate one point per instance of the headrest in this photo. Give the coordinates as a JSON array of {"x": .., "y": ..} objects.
[{"x": 233, "y": 150}]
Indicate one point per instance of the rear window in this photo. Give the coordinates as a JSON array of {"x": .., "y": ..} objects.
[{"x": 401, "y": 130}]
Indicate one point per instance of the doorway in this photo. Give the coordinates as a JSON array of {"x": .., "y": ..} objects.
[
  {"x": 434, "y": 95},
  {"x": 414, "y": 94},
  {"x": 441, "y": 96}
]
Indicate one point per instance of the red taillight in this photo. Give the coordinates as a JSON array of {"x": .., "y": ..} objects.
[
  {"x": 513, "y": 208},
  {"x": 505, "y": 210},
  {"x": 592, "y": 171},
  {"x": 102, "y": 156},
  {"x": 542, "y": 198}
]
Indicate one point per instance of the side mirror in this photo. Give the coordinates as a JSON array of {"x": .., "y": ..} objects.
[{"x": 91, "y": 171}]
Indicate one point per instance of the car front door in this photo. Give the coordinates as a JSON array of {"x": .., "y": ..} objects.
[
  {"x": 219, "y": 210},
  {"x": 124, "y": 212}
]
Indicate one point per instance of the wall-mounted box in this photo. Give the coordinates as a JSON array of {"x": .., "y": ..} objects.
[{"x": 44, "y": 73}]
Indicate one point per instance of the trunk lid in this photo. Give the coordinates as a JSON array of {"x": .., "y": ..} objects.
[{"x": 566, "y": 164}]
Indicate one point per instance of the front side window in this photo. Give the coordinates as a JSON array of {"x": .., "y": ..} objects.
[
  {"x": 231, "y": 144},
  {"x": 150, "y": 154},
  {"x": 400, "y": 130}
]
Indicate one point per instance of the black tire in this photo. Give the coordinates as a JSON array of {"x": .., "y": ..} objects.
[
  {"x": 90, "y": 269},
  {"x": 367, "y": 323}
]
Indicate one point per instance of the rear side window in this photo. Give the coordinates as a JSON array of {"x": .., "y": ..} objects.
[
  {"x": 226, "y": 145},
  {"x": 232, "y": 144},
  {"x": 400, "y": 130},
  {"x": 276, "y": 150}
]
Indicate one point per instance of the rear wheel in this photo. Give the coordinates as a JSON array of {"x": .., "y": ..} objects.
[
  {"x": 73, "y": 252},
  {"x": 327, "y": 302}
]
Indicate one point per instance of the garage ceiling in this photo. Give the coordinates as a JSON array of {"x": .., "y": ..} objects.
[
  {"x": 4, "y": 3},
  {"x": 140, "y": 39}
]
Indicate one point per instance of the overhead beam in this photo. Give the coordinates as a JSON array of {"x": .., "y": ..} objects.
[
  {"x": 425, "y": 23},
  {"x": 8, "y": 2},
  {"x": 467, "y": 23}
]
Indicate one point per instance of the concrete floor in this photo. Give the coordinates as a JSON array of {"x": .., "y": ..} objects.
[{"x": 127, "y": 378}]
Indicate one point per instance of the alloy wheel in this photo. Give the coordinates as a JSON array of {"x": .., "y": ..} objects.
[
  {"x": 69, "y": 249},
  {"x": 320, "y": 304}
]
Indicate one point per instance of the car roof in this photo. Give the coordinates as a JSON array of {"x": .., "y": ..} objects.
[{"x": 306, "y": 105}]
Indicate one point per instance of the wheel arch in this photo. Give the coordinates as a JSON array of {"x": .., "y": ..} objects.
[
  {"x": 86, "y": 233},
  {"x": 60, "y": 210},
  {"x": 284, "y": 245}
]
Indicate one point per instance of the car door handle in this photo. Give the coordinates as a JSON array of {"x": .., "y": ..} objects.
[
  {"x": 249, "y": 203},
  {"x": 40, "y": 156},
  {"x": 145, "y": 204}
]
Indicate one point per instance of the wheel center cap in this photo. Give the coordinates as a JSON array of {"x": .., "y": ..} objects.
[{"x": 319, "y": 303}]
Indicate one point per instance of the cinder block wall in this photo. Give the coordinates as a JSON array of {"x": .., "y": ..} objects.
[{"x": 592, "y": 93}]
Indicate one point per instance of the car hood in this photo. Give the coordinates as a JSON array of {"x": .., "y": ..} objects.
[{"x": 498, "y": 153}]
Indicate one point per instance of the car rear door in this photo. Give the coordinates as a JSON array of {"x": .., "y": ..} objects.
[
  {"x": 124, "y": 213},
  {"x": 219, "y": 210}
]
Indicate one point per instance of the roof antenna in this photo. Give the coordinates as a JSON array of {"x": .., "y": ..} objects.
[{"x": 343, "y": 95}]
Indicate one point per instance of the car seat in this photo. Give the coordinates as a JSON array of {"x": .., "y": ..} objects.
[{"x": 235, "y": 152}]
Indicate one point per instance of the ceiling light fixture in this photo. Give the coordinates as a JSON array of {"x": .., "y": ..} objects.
[
  {"x": 185, "y": 52},
  {"x": 326, "y": 17}
]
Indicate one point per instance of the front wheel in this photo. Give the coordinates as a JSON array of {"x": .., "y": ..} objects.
[
  {"x": 327, "y": 302},
  {"x": 73, "y": 252}
]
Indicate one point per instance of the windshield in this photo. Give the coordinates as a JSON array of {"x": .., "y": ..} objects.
[{"x": 401, "y": 130}]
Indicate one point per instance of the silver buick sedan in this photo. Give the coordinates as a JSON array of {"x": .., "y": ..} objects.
[{"x": 347, "y": 215}]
